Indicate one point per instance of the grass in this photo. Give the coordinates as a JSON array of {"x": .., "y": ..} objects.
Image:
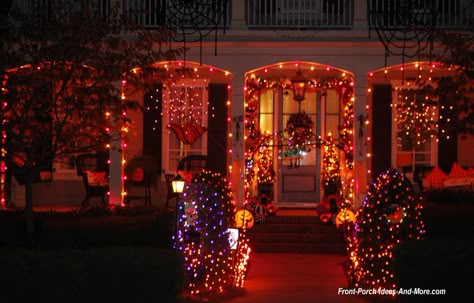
[
  {"x": 92, "y": 255},
  {"x": 443, "y": 260},
  {"x": 95, "y": 254}
]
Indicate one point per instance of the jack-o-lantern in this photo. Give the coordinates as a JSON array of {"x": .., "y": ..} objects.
[
  {"x": 138, "y": 174},
  {"x": 244, "y": 219},
  {"x": 345, "y": 216}
]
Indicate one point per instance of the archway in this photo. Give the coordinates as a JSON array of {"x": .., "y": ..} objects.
[
  {"x": 295, "y": 146},
  {"x": 407, "y": 117}
]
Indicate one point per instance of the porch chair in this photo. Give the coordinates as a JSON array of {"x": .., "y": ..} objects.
[
  {"x": 193, "y": 164},
  {"x": 93, "y": 169},
  {"x": 141, "y": 172}
]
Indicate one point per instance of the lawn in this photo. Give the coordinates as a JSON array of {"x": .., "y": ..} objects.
[
  {"x": 92, "y": 255},
  {"x": 443, "y": 260}
]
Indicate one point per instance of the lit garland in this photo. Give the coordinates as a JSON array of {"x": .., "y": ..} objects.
[
  {"x": 331, "y": 176},
  {"x": 264, "y": 160},
  {"x": 416, "y": 118},
  {"x": 205, "y": 213},
  {"x": 390, "y": 214},
  {"x": 3, "y": 171}
]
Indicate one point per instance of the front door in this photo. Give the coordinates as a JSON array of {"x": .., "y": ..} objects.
[{"x": 298, "y": 177}]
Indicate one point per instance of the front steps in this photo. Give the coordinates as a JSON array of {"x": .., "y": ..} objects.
[{"x": 296, "y": 234}]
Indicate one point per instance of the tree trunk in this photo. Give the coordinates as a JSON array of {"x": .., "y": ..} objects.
[{"x": 29, "y": 212}]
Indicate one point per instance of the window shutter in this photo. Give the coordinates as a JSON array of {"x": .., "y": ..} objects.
[
  {"x": 381, "y": 128},
  {"x": 153, "y": 104},
  {"x": 217, "y": 128}
]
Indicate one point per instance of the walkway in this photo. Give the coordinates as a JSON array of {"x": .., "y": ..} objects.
[{"x": 296, "y": 278}]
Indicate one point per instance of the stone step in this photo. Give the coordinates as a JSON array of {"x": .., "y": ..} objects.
[
  {"x": 292, "y": 227},
  {"x": 296, "y": 234},
  {"x": 307, "y": 237},
  {"x": 292, "y": 247}
]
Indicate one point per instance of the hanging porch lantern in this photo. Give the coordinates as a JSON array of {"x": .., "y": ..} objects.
[{"x": 298, "y": 84}]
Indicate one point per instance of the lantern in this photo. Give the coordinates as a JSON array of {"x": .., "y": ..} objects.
[
  {"x": 177, "y": 184},
  {"x": 298, "y": 84}
]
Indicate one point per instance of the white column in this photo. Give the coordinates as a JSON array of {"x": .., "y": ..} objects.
[
  {"x": 238, "y": 133},
  {"x": 116, "y": 188},
  {"x": 360, "y": 138},
  {"x": 116, "y": 163}
]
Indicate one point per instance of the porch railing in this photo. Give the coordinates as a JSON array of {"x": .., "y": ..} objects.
[
  {"x": 192, "y": 15},
  {"x": 299, "y": 14},
  {"x": 440, "y": 14},
  {"x": 281, "y": 14}
]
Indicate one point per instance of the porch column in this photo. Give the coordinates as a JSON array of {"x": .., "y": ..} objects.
[
  {"x": 238, "y": 133},
  {"x": 116, "y": 188},
  {"x": 116, "y": 161},
  {"x": 360, "y": 138}
]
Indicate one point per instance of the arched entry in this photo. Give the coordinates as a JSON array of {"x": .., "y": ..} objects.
[
  {"x": 186, "y": 112},
  {"x": 288, "y": 136},
  {"x": 409, "y": 126}
]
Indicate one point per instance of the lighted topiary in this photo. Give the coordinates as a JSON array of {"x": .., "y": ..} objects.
[
  {"x": 206, "y": 211},
  {"x": 390, "y": 214}
]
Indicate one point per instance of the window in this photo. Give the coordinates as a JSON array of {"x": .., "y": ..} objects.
[
  {"x": 185, "y": 110},
  {"x": 414, "y": 129}
]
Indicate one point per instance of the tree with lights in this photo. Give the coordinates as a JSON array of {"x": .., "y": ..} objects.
[
  {"x": 206, "y": 211},
  {"x": 63, "y": 82},
  {"x": 455, "y": 94},
  {"x": 390, "y": 214}
]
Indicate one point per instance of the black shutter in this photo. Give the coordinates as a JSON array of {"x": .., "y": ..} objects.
[
  {"x": 447, "y": 148},
  {"x": 152, "y": 120},
  {"x": 381, "y": 128},
  {"x": 217, "y": 128}
]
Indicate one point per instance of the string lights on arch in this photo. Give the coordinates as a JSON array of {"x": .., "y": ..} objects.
[{"x": 321, "y": 78}]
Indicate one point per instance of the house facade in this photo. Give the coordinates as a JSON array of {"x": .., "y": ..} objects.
[{"x": 240, "y": 104}]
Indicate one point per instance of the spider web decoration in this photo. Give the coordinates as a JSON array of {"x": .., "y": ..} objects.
[
  {"x": 193, "y": 20},
  {"x": 405, "y": 28}
]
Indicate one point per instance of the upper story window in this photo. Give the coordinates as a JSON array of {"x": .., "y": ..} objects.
[{"x": 185, "y": 112}]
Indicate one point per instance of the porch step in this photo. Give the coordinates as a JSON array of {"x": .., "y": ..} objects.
[{"x": 296, "y": 234}]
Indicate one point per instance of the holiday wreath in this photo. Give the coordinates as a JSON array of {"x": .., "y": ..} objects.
[{"x": 300, "y": 131}]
